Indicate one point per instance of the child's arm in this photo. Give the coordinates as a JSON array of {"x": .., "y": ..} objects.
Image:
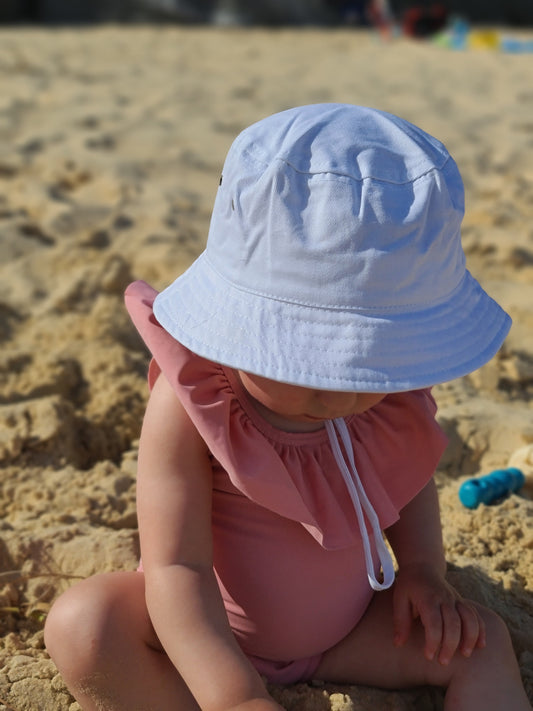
[
  {"x": 183, "y": 599},
  {"x": 421, "y": 590}
]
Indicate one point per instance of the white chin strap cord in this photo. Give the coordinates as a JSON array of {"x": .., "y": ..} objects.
[{"x": 360, "y": 501}]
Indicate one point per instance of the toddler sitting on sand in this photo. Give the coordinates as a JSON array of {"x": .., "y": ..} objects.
[{"x": 290, "y": 422}]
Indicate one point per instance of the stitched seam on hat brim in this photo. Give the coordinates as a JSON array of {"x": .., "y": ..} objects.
[
  {"x": 329, "y": 348},
  {"x": 399, "y": 381},
  {"x": 246, "y": 345},
  {"x": 341, "y": 307},
  {"x": 448, "y": 331},
  {"x": 391, "y": 382}
]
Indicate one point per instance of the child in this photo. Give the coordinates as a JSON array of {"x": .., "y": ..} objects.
[{"x": 290, "y": 421}]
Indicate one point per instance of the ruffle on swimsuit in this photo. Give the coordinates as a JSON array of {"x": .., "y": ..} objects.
[{"x": 396, "y": 444}]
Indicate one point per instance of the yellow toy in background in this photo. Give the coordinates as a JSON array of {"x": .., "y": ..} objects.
[{"x": 483, "y": 39}]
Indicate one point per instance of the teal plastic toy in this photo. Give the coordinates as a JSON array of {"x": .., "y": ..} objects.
[{"x": 491, "y": 487}]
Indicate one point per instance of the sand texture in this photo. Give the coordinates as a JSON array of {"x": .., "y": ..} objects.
[{"x": 112, "y": 141}]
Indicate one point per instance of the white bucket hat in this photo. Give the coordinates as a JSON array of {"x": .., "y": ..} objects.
[{"x": 334, "y": 259}]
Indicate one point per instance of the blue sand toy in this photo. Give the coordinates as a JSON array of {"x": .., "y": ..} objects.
[{"x": 489, "y": 488}]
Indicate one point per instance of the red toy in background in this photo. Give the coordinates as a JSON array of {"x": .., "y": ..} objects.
[{"x": 422, "y": 21}]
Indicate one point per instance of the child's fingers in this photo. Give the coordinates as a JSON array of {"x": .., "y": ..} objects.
[
  {"x": 473, "y": 628},
  {"x": 433, "y": 622},
  {"x": 482, "y": 639},
  {"x": 451, "y": 632},
  {"x": 402, "y": 619}
]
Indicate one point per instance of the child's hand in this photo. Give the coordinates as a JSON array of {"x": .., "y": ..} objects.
[{"x": 450, "y": 622}]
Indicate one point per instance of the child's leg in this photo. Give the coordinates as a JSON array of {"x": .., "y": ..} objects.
[
  {"x": 488, "y": 681},
  {"x": 100, "y": 637}
]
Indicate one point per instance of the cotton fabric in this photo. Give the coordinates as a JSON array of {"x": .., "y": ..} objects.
[{"x": 335, "y": 240}]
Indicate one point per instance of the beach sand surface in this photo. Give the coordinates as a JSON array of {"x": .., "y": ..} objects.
[{"x": 112, "y": 142}]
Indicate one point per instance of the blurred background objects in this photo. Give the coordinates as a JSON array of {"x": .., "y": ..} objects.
[{"x": 263, "y": 12}]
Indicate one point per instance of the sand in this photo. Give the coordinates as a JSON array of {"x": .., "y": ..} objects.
[{"x": 113, "y": 141}]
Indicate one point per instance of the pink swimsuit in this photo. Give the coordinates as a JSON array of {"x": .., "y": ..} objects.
[{"x": 288, "y": 547}]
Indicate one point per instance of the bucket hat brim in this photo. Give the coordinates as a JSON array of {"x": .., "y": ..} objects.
[{"x": 360, "y": 351}]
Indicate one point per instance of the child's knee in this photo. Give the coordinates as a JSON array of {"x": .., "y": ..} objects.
[
  {"x": 498, "y": 638},
  {"x": 76, "y": 621}
]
